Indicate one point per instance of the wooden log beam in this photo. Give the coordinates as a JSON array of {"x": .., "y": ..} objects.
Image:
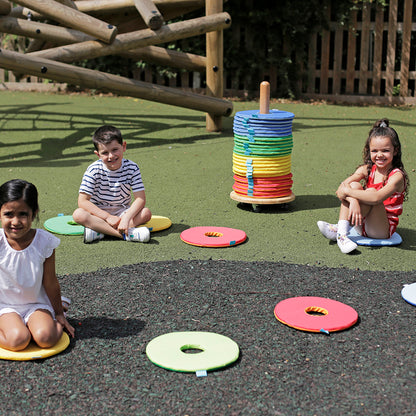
[
  {"x": 17, "y": 12},
  {"x": 63, "y": 36},
  {"x": 5, "y": 7},
  {"x": 166, "y": 57},
  {"x": 88, "y": 78},
  {"x": 112, "y": 6},
  {"x": 132, "y": 40},
  {"x": 68, "y": 3},
  {"x": 72, "y": 18},
  {"x": 133, "y": 21},
  {"x": 149, "y": 13},
  {"x": 35, "y": 45},
  {"x": 56, "y": 34}
]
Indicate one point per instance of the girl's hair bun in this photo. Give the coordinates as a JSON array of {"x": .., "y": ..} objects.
[{"x": 384, "y": 122}]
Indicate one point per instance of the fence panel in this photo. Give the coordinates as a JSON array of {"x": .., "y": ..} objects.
[{"x": 378, "y": 49}]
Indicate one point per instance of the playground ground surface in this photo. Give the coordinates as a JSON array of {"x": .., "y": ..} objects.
[{"x": 125, "y": 296}]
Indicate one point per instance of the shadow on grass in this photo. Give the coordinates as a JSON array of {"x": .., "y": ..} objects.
[
  {"x": 72, "y": 149},
  {"x": 409, "y": 238},
  {"x": 301, "y": 123},
  {"x": 301, "y": 203}
]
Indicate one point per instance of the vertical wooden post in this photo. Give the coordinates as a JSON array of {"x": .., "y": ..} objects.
[
  {"x": 323, "y": 88},
  {"x": 406, "y": 40},
  {"x": 325, "y": 50},
  {"x": 336, "y": 72},
  {"x": 378, "y": 49},
  {"x": 214, "y": 68},
  {"x": 391, "y": 47},
  {"x": 312, "y": 63},
  {"x": 352, "y": 39},
  {"x": 365, "y": 37}
]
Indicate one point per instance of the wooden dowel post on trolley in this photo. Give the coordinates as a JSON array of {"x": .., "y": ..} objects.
[{"x": 264, "y": 97}]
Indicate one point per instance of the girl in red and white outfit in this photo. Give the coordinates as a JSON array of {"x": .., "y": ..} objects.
[{"x": 375, "y": 207}]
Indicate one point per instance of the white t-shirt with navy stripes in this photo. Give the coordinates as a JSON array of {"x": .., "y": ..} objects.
[{"x": 111, "y": 188}]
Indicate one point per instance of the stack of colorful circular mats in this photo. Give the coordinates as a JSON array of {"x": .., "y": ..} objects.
[{"x": 262, "y": 154}]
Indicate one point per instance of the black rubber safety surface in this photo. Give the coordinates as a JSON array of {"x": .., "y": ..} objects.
[{"x": 368, "y": 369}]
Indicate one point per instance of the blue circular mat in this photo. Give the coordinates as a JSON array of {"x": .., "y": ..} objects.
[
  {"x": 409, "y": 293},
  {"x": 394, "y": 240}
]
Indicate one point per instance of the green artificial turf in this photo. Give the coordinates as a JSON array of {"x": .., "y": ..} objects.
[{"x": 187, "y": 172}]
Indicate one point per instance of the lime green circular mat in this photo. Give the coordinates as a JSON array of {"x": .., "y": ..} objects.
[{"x": 170, "y": 351}]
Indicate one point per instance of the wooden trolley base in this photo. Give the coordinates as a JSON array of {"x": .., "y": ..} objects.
[{"x": 261, "y": 201}]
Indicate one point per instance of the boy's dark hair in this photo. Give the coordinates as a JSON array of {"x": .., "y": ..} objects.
[
  {"x": 16, "y": 189},
  {"x": 105, "y": 135}
]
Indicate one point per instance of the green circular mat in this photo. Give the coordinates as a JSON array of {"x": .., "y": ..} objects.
[
  {"x": 169, "y": 351},
  {"x": 63, "y": 224}
]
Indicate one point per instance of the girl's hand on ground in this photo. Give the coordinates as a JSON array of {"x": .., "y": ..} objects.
[{"x": 62, "y": 320}]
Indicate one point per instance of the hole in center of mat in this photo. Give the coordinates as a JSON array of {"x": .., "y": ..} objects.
[
  {"x": 213, "y": 234},
  {"x": 191, "y": 349},
  {"x": 316, "y": 310}
]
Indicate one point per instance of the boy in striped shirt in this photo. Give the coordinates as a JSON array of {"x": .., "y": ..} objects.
[{"x": 105, "y": 205}]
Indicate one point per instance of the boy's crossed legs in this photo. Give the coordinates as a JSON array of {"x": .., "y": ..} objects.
[{"x": 109, "y": 225}]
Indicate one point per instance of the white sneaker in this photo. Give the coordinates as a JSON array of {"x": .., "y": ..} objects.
[
  {"x": 91, "y": 235},
  {"x": 328, "y": 230},
  {"x": 345, "y": 244},
  {"x": 140, "y": 234}
]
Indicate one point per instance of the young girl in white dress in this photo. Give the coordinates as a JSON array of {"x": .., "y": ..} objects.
[{"x": 30, "y": 296}]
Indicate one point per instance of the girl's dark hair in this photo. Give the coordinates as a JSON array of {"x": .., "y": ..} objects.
[
  {"x": 16, "y": 189},
  {"x": 105, "y": 135},
  {"x": 381, "y": 128}
]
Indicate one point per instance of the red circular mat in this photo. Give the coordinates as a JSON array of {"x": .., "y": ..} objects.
[
  {"x": 213, "y": 236},
  {"x": 315, "y": 314}
]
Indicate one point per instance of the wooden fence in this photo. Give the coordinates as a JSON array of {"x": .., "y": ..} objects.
[{"x": 374, "y": 57}]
